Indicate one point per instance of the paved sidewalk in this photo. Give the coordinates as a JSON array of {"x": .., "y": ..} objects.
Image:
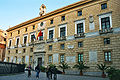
[{"x": 43, "y": 77}]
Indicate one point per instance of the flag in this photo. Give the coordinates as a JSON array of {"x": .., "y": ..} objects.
[{"x": 39, "y": 34}]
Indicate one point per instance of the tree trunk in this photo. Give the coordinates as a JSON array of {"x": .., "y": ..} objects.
[
  {"x": 63, "y": 71},
  {"x": 81, "y": 73},
  {"x": 103, "y": 74}
]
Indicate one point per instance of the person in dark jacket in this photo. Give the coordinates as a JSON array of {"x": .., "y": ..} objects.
[
  {"x": 29, "y": 70},
  {"x": 49, "y": 73},
  {"x": 37, "y": 69}
]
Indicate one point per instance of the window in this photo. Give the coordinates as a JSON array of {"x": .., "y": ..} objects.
[
  {"x": 24, "y": 50},
  {"x": 80, "y": 44},
  {"x": 51, "y": 21},
  {"x": 8, "y": 52},
  {"x": 80, "y": 28},
  {"x": 23, "y": 59},
  {"x": 51, "y": 34},
  {"x": 15, "y": 59},
  {"x": 32, "y": 37},
  {"x": 80, "y": 57},
  {"x": 30, "y": 59},
  {"x": 25, "y": 39},
  {"x": 103, "y": 6},
  {"x": 10, "y": 42},
  {"x": 50, "y": 58},
  {"x": 105, "y": 23},
  {"x": 16, "y": 51},
  {"x": 11, "y": 34},
  {"x": 62, "y": 46},
  {"x": 25, "y": 29},
  {"x": 41, "y": 24},
  {"x": 61, "y": 58},
  {"x": 107, "y": 56},
  {"x": 18, "y": 31},
  {"x": 106, "y": 41},
  {"x": 62, "y": 18},
  {"x": 33, "y": 27},
  {"x": 17, "y": 42},
  {"x": 79, "y": 13},
  {"x": 8, "y": 59},
  {"x": 4, "y": 39},
  {"x": 62, "y": 31},
  {"x": 31, "y": 49},
  {"x": 50, "y": 47}
]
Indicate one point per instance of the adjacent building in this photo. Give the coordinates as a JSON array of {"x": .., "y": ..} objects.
[
  {"x": 88, "y": 31},
  {"x": 3, "y": 35}
]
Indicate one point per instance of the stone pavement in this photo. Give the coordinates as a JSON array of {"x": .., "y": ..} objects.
[{"x": 43, "y": 77}]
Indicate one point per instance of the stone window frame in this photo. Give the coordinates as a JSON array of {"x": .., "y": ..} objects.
[
  {"x": 78, "y": 13},
  {"x": 51, "y": 21},
  {"x": 24, "y": 50},
  {"x": 61, "y": 26},
  {"x": 78, "y": 22},
  {"x": 80, "y": 42},
  {"x": 31, "y": 49},
  {"x": 18, "y": 31},
  {"x": 49, "y": 29},
  {"x": 33, "y": 27},
  {"x": 27, "y": 38},
  {"x": 32, "y": 33},
  {"x": 16, "y": 41},
  {"x": 108, "y": 61},
  {"x": 61, "y": 46},
  {"x": 106, "y": 41},
  {"x": 31, "y": 59},
  {"x": 23, "y": 59},
  {"x": 103, "y": 4},
  {"x": 50, "y": 61},
  {"x": 81, "y": 60},
  {"x": 63, "y": 18},
  {"x": 109, "y": 14},
  {"x": 9, "y": 43},
  {"x": 62, "y": 58},
  {"x": 50, "y": 49}
]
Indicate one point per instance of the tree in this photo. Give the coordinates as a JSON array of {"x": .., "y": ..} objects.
[
  {"x": 80, "y": 67},
  {"x": 64, "y": 66},
  {"x": 103, "y": 68}
]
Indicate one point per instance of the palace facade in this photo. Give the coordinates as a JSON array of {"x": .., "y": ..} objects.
[{"x": 88, "y": 31}]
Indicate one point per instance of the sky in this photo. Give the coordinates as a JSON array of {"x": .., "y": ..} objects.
[{"x": 14, "y": 12}]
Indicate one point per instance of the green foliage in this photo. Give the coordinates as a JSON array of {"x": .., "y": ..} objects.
[
  {"x": 113, "y": 74},
  {"x": 52, "y": 65},
  {"x": 102, "y": 67},
  {"x": 80, "y": 66},
  {"x": 64, "y": 66},
  {"x": 42, "y": 68}
]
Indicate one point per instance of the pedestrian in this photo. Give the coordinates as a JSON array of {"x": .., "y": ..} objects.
[
  {"x": 29, "y": 70},
  {"x": 55, "y": 72},
  {"x": 48, "y": 73},
  {"x": 37, "y": 69}
]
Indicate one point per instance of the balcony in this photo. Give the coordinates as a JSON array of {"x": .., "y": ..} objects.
[
  {"x": 49, "y": 40},
  {"x": 79, "y": 35},
  {"x": 31, "y": 43},
  {"x": 39, "y": 41},
  {"x": 23, "y": 45},
  {"x": 105, "y": 31},
  {"x": 61, "y": 38}
]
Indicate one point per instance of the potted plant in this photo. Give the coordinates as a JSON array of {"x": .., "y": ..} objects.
[
  {"x": 64, "y": 66},
  {"x": 103, "y": 68},
  {"x": 80, "y": 67}
]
